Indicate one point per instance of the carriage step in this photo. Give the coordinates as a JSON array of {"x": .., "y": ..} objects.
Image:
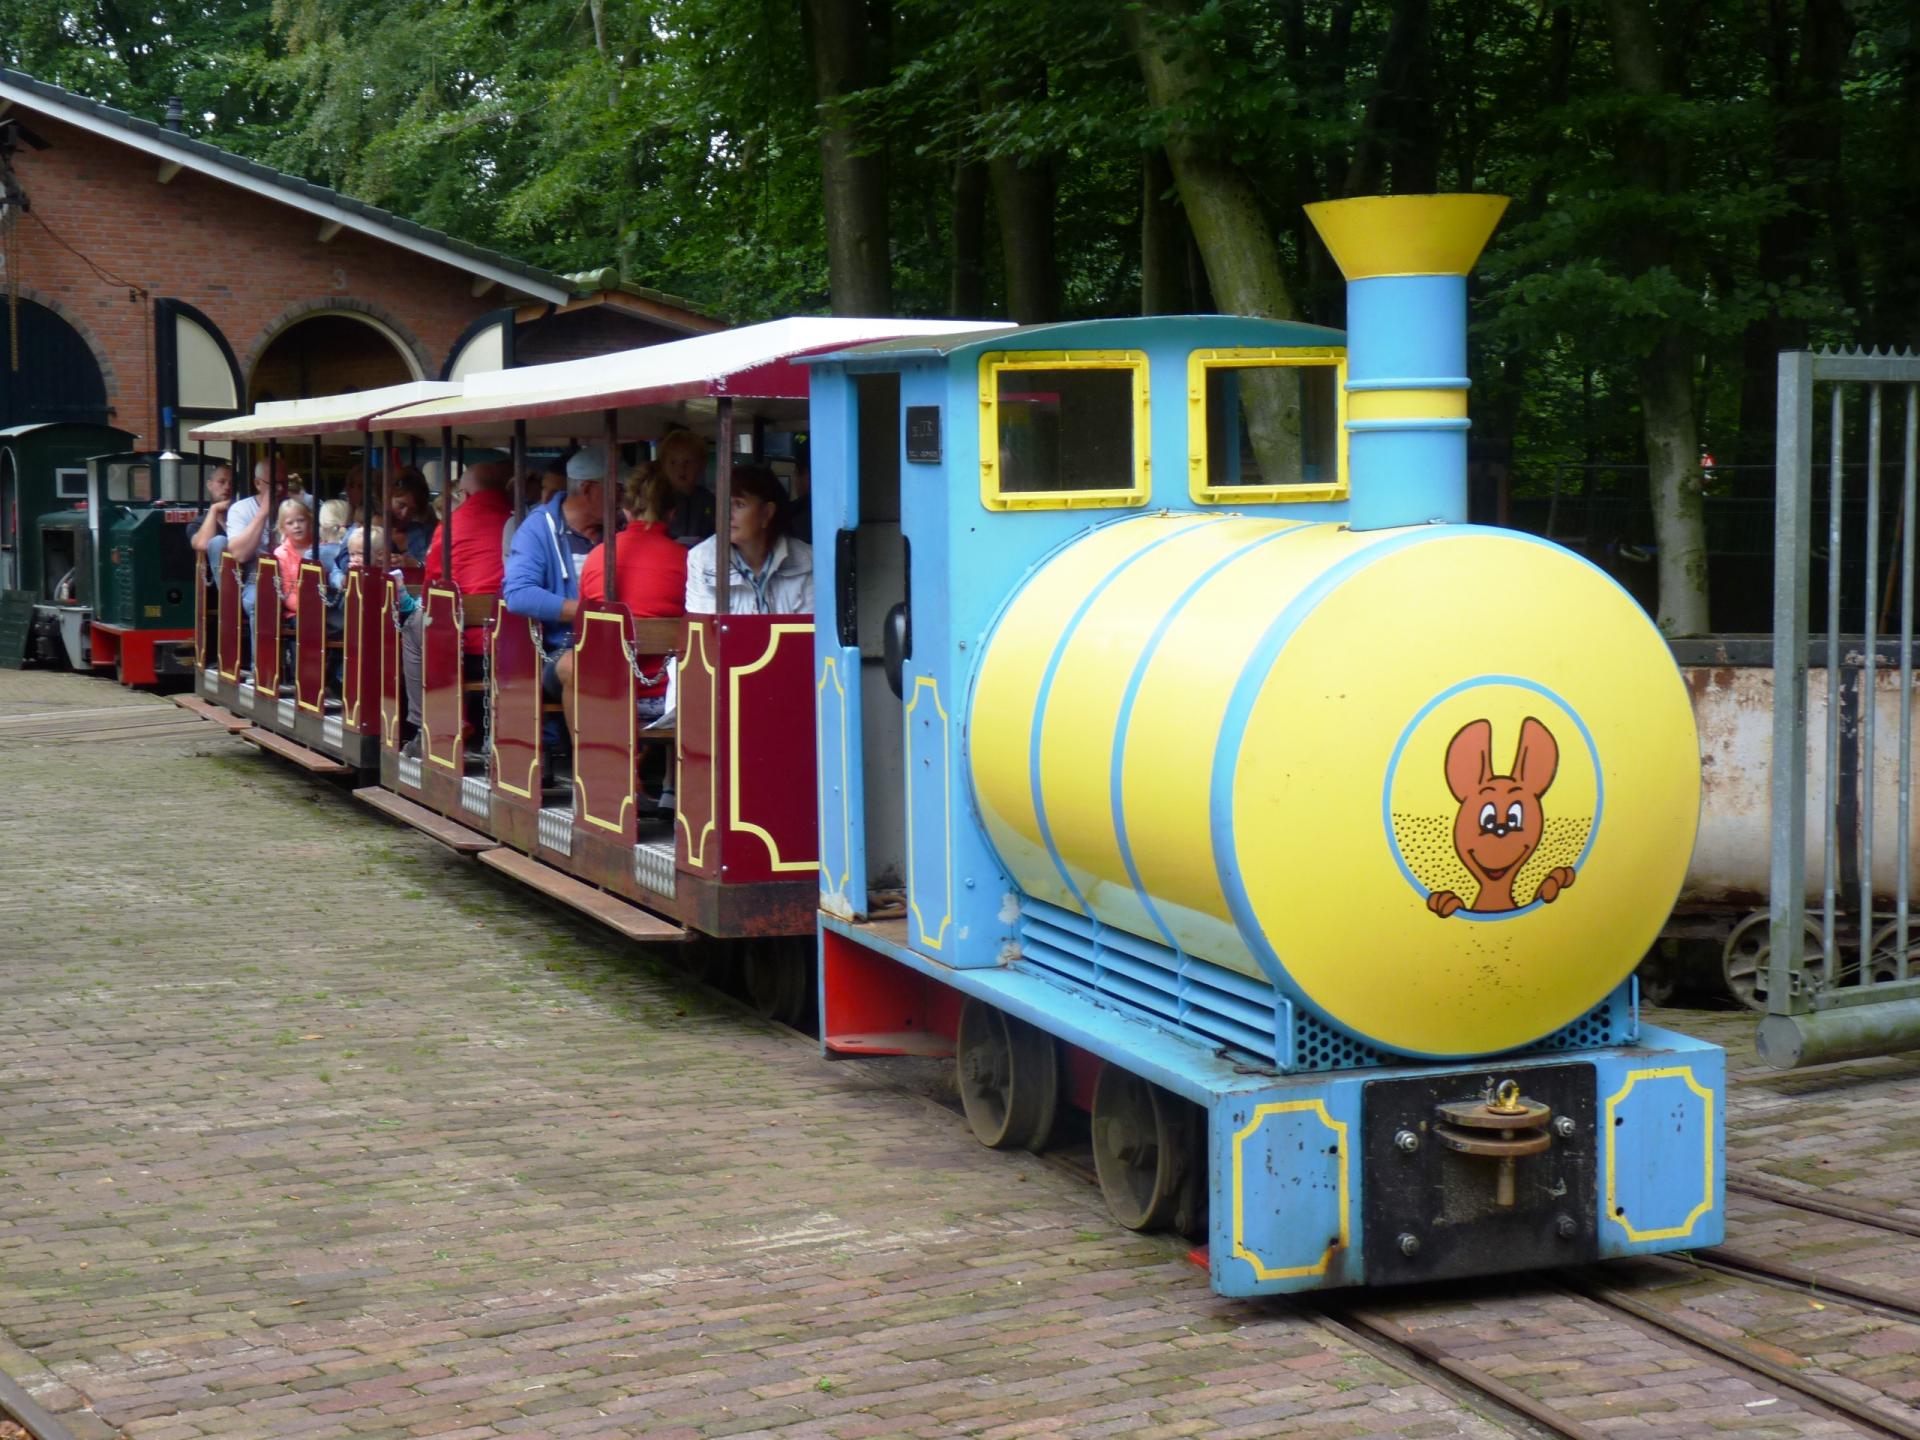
[
  {"x": 312, "y": 761},
  {"x": 428, "y": 822},
  {"x": 630, "y": 920},
  {"x": 219, "y": 714}
]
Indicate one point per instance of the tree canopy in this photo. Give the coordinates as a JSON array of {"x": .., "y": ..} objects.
[{"x": 1696, "y": 185}]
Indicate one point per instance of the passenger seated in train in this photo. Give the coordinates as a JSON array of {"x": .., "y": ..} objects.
[
  {"x": 249, "y": 530},
  {"x": 353, "y": 554},
  {"x": 410, "y": 518},
  {"x": 772, "y": 572},
  {"x": 478, "y": 569},
  {"x": 683, "y": 460},
  {"x": 334, "y": 519},
  {"x": 295, "y": 529},
  {"x": 542, "y": 578},
  {"x": 650, "y": 579},
  {"x": 211, "y": 538}
]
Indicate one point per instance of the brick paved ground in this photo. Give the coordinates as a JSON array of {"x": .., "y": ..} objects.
[{"x": 391, "y": 1152}]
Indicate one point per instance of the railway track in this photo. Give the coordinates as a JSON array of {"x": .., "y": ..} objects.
[
  {"x": 1401, "y": 1333},
  {"x": 110, "y": 723}
]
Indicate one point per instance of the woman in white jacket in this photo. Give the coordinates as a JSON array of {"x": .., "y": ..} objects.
[{"x": 772, "y": 572}]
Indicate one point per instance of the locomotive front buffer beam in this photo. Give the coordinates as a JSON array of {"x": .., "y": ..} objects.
[{"x": 1369, "y": 1175}]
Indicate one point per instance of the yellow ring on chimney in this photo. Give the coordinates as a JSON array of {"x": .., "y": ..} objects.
[{"x": 1406, "y": 405}]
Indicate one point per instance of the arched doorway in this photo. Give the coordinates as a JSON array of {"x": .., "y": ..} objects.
[
  {"x": 330, "y": 354},
  {"x": 54, "y": 378}
]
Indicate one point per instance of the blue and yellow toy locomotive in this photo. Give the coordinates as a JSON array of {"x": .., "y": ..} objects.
[{"x": 1186, "y": 757}]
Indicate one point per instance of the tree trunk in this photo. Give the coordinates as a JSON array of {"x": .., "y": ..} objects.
[
  {"x": 853, "y": 167},
  {"x": 1163, "y": 242},
  {"x": 1243, "y": 262},
  {"x": 1647, "y": 68},
  {"x": 967, "y": 279},
  {"x": 1023, "y": 196},
  {"x": 1679, "y": 513},
  {"x": 1400, "y": 126}
]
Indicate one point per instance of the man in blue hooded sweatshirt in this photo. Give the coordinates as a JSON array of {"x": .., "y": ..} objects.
[{"x": 543, "y": 567}]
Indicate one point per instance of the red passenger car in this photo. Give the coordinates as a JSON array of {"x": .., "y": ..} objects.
[{"x": 737, "y": 857}]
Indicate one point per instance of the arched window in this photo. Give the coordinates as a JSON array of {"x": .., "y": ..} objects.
[{"x": 54, "y": 377}]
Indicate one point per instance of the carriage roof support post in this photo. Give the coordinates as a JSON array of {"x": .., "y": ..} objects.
[
  {"x": 446, "y": 502},
  {"x": 273, "y": 487},
  {"x": 519, "y": 472},
  {"x": 609, "y": 506},
  {"x": 314, "y": 495},
  {"x": 200, "y": 556},
  {"x": 723, "y": 510},
  {"x": 386, "y": 503}
]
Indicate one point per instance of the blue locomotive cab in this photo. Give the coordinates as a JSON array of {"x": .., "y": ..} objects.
[{"x": 1186, "y": 756}]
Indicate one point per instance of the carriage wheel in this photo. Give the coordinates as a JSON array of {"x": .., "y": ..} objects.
[
  {"x": 1009, "y": 1074},
  {"x": 1748, "y": 952},
  {"x": 1145, "y": 1144},
  {"x": 774, "y": 977}
]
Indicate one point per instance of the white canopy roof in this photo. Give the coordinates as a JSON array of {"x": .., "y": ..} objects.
[
  {"x": 753, "y": 362},
  {"x": 322, "y": 414}
]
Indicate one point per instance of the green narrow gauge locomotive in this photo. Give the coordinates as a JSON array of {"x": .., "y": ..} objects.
[{"x": 100, "y": 548}]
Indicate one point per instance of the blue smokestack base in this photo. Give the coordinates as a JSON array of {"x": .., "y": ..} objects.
[{"x": 1407, "y": 400}]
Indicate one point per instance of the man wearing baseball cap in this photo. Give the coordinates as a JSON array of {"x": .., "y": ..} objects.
[{"x": 543, "y": 567}]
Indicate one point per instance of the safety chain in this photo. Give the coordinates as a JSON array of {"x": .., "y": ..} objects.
[{"x": 633, "y": 662}]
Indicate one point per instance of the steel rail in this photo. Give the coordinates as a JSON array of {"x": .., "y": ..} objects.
[
  {"x": 1397, "y": 1335},
  {"x": 19, "y": 1407},
  {"x": 1817, "y": 1391},
  {"x": 1798, "y": 1278},
  {"x": 1820, "y": 1205}
]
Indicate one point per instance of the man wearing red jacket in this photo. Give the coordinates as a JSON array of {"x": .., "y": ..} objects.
[{"x": 479, "y": 524}]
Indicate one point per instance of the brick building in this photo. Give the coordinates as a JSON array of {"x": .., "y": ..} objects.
[{"x": 149, "y": 280}]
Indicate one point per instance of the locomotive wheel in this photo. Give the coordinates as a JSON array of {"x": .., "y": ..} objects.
[
  {"x": 1747, "y": 953},
  {"x": 1886, "y": 952},
  {"x": 1144, "y": 1146},
  {"x": 774, "y": 976},
  {"x": 1009, "y": 1075}
]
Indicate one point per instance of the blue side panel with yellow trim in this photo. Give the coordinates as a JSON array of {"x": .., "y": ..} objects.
[
  {"x": 843, "y": 863},
  {"x": 1285, "y": 1190},
  {"x": 1662, "y": 1119}
]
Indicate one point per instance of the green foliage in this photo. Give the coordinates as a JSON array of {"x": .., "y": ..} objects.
[{"x": 679, "y": 141}]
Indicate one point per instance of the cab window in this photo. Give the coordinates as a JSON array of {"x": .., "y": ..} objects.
[
  {"x": 1266, "y": 425},
  {"x": 1062, "y": 430}
]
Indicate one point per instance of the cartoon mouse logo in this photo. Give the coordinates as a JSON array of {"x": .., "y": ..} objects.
[{"x": 1500, "y": 820}]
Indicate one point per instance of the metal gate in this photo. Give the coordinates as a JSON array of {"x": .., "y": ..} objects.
[{"x": 1842, "y": 979}]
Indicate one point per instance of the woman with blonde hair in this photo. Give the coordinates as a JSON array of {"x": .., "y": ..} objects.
[{"x": 647, "y": 497}]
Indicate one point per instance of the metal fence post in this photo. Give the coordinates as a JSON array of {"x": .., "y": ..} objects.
[{"x": 1793, "y": 499}]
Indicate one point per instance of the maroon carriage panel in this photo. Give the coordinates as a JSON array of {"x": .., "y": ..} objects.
[
  {"x": 515, "y": 679},
  {"x": 604, "y": 741},
  {"x": 360, "y": 696},
  {"x": 696, "y": 847},
  {"x": 746, "y": 787},
  {"x": 230, "y": 617},
  {"x": 266, "y": 631},
  {"x": 310, "y": 641},
  {"x": 201, "y": 615},
  {"x": 443, "y": 724},
  {"x": 389, "y": 644}
]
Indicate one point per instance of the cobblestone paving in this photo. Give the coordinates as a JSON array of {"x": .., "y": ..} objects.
[{"x": 378, "y": 1149}]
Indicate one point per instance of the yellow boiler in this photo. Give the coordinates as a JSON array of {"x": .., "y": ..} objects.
[{"x": 1437, "y": 783}]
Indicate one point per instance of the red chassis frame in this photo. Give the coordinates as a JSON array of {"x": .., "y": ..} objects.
[{"x": 745, "y": 842}]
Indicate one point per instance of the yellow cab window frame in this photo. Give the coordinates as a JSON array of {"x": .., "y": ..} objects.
[
  {"x": 1200, "y": 363},
  {"x": 998, "y": 362}
]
